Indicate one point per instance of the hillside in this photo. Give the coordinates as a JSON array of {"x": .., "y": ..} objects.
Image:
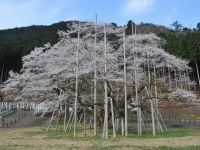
[
  {"x": 131, "y": 74},
  {"x": 54, "y": 66},
  {"x": 17, "y": 42}
]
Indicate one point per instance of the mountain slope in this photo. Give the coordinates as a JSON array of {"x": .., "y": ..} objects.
[{"x": 17, "y": 42}]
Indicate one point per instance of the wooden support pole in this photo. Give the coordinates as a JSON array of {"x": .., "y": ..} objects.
[
  {"x": 197, "y": 68},
  {"x": 139, "y": 125},
  {"x": 73, "y": 119},
  {"x": 159, "y": 126},
  {"x": 69, "y": 120},
  {"x": 122, "y": 126},
  {"x": 84, "y": 122},
  {"x": 79, "y": 120},
  {"x": 169, "y": 76},
  {"x": 65, "y": 118},
  {"x": 57, "y": 121},
  {"x": 50, "y": 120},
  {"x": 117, "y": 124},
  {"x": 162, "y": 120},
  {"x": 180, "y": 80},
  {"x": 76, "y": 94},
  {"x": 2, "y": 72},
  {"x": 105, "y": 131},
  {"x": 156, "y": 95},
  {"x": 90, "y": 122},
  {"x": 153, "y": 118},
  {"x": 188, "y": 80},
  {"x": 113, "y": 120},
  {"x": 175, "y": 77},
  {"x": 95, "y": 82},
  {"x": 125, "y": 88}
]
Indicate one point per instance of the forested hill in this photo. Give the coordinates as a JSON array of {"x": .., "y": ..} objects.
[
  {"x": 17, "y": 42},
  {"x": 181, "y": 41}
]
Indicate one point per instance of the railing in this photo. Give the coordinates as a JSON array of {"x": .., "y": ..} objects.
[
  {"x": 12, "y": 122},
  {"x": 179, "y": 121},
  {"x": 7, "y": 111}
]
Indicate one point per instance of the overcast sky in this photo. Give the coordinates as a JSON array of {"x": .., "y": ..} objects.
[{"x": 18, "y": 13}]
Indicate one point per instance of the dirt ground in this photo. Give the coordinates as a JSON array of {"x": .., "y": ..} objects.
[
  {"x": 36, "y": 138},
  {"x": 29, "y": 133}
]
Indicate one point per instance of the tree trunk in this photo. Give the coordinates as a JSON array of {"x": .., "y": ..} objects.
[
  {"x": 113, "y": 119},
  {"x": 50, "y": 120},
  {"x": 2, "y": 72},
  {"x": 197, "y": 71},
  {"x": 84, "y": 123},
  {"x": 65, "y": 118}
]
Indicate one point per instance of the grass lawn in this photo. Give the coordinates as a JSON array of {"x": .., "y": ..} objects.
[{"x": 177, "y": 138}]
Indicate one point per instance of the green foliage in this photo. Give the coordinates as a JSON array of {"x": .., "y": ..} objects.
[
  {"x": 15, "y": 43},
  {"x": 185, "y": 46},
  {"x": 177, "y": 26},
  {"x": 198, "y": 26},
  {"x": 75, "y": 35},
  {"x": 114, "y": 24},
  {"x": 114, "y": 40},
  {"x": 130, "y": 27}
]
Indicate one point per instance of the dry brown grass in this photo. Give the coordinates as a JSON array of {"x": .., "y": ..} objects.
[{"x": 38, "y": 139}]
